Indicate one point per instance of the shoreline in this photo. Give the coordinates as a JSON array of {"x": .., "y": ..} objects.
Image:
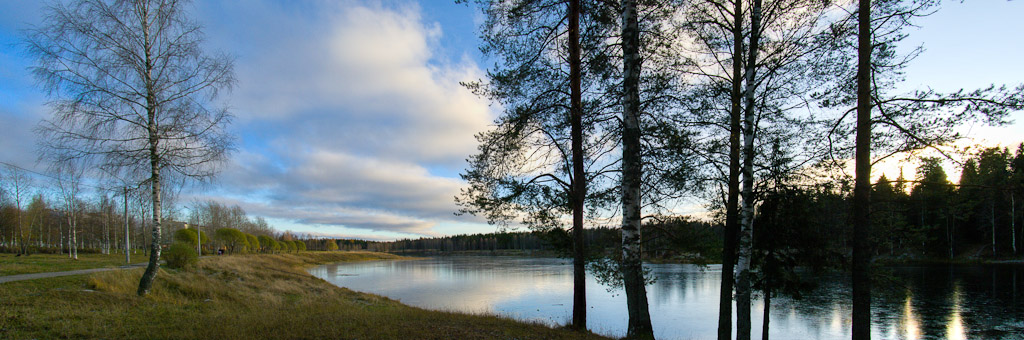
[
  {"x": 878, "y": 260},
  {"x": 238, "y": 297}
]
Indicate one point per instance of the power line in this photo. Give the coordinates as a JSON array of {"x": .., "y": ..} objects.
[{"x": 55, "y": 178}]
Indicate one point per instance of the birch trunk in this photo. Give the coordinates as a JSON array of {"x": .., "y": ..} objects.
[
  {"x": 106, "y": 231},
  {"x": 60, "y": 238},
  {"x": 71, "y": 245},
  {"x": 154, "y": 158},
  {"x": 743, "y": 289},
  {"x": 639, "y": 326},
  {"x": 72, "y": 240},
  {"x": 74, "y": 232}
]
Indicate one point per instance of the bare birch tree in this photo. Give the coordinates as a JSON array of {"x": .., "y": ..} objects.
[
  {"x": 19, "y": 185},
  {"x": 68, "y": 178},
  {"x": 132, "y": 92},
  {"x": 632, "y": 270}
]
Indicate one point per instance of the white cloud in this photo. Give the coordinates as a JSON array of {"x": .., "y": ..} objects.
[
  {"x": 344, "y": 109},
  {"x": 359, "y": 76}
]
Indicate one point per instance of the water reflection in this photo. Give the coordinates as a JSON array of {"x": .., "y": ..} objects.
[
  {"x": 955, "y": 326},
  {"x": 923, "y": 302},
  {"x": 910, "y": 324}
]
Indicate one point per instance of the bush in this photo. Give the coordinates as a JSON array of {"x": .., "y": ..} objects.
[
  {"x": 254, "y": 243},
  {"x": 266, "y": 243},
  {"x": 231, "y": 238},
  {"x": 180, "y": 255},
  {"x": 189, "y": 236}
]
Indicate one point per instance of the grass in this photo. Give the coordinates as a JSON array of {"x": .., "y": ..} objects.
[
  {"x": 237, "y": 297},
  {"x": 11, "y": 264}
]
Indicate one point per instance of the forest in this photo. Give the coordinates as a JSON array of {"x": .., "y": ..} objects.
[{"x": 933, "y": 218}]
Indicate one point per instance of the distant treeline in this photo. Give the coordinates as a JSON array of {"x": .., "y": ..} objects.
[
  {"x": 926, "y": 218},
  {"x": 40, "y": 214},
  {"x": 677, "y": 237}
]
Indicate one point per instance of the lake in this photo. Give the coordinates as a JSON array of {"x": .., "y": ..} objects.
[{"x": 924, "y": 302}]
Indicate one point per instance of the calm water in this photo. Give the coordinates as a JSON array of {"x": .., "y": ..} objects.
[{"x": 964, "y": 302}]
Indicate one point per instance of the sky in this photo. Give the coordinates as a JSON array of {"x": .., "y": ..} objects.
[{"x": 351, "y": 121}]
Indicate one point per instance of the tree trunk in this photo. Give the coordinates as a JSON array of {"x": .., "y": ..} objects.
[
  {"x": 767, "y": 307},
  {"x": 949, "y": 230},
  {"x": 106, "y": 230},
  {"x": 1013, "y": 223},
  {"x": 60, "y": 238},
  {"x": 127, "y": 231},
  {"x": 71, "y": 245},
  {"x": 743, "y": 290},
  {"x": 731, "y": 231},
  {"x": 639, "y": 326},
  {"x": 992, "y": 221},
  {"x": 154, "y": 162},
  {"x": 20, "y": 239},
  {"x": 861, "y": 276},
  {"x": 579, "y": 184},
  {"x": 74, "y": 234}
]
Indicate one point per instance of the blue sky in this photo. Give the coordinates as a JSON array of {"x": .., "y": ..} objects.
[{"x": 351, "y": 121}]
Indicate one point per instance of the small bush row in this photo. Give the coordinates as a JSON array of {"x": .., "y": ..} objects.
[{"x": 234, "y": 241}]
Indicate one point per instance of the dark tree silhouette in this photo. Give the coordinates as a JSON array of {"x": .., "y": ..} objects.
[{"x": 539, "y": 162}]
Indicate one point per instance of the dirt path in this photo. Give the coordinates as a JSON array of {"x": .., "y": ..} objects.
[{"x": 33, "y": 276}]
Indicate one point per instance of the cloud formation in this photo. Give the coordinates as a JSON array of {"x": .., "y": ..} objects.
[{"x": 344, "y": 112}]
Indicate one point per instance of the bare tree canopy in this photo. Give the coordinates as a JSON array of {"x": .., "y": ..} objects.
[
  {"x": 107, "y": 64},
  {"x": 132, "y": 92}
]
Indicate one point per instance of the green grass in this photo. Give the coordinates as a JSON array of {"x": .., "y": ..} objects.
[
  {"x": 237, "y": 297},
  {"x": 42, "y": 263}
]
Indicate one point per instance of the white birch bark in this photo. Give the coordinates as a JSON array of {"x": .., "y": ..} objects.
[{"x": 743, "y": 286}]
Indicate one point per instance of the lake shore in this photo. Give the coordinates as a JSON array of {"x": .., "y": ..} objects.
[
  {"x": 237, "y": 297},
  {"x": 884, "y": 260}
]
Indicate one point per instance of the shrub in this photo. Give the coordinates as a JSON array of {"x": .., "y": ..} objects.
[
  {"x": 231, "y": 238},
  {"x": 188, "y": 236},
  {"x": 266, "y": 243},
  {"x": 254, "y": 243},
  {"x": 288, "y": 246},
  {"x": 180, "y": 255}
]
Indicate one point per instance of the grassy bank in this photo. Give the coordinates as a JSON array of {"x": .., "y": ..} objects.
[
  {"x": 235, "y": 297},
  {"x": 10, "y": 264}
]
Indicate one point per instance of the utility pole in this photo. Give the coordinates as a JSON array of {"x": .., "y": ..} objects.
[{"x": 127, "y": 247}]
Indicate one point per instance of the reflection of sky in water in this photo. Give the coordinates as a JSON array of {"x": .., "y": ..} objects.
[{"x": 920, "y": 303}]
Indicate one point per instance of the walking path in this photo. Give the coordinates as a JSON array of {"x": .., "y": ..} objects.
[{"x": 33, "y": 276}]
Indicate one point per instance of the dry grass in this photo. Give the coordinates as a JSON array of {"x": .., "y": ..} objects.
[
  {"x": 41, "y": 263},
  {"x": 236, "y": 297}
]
